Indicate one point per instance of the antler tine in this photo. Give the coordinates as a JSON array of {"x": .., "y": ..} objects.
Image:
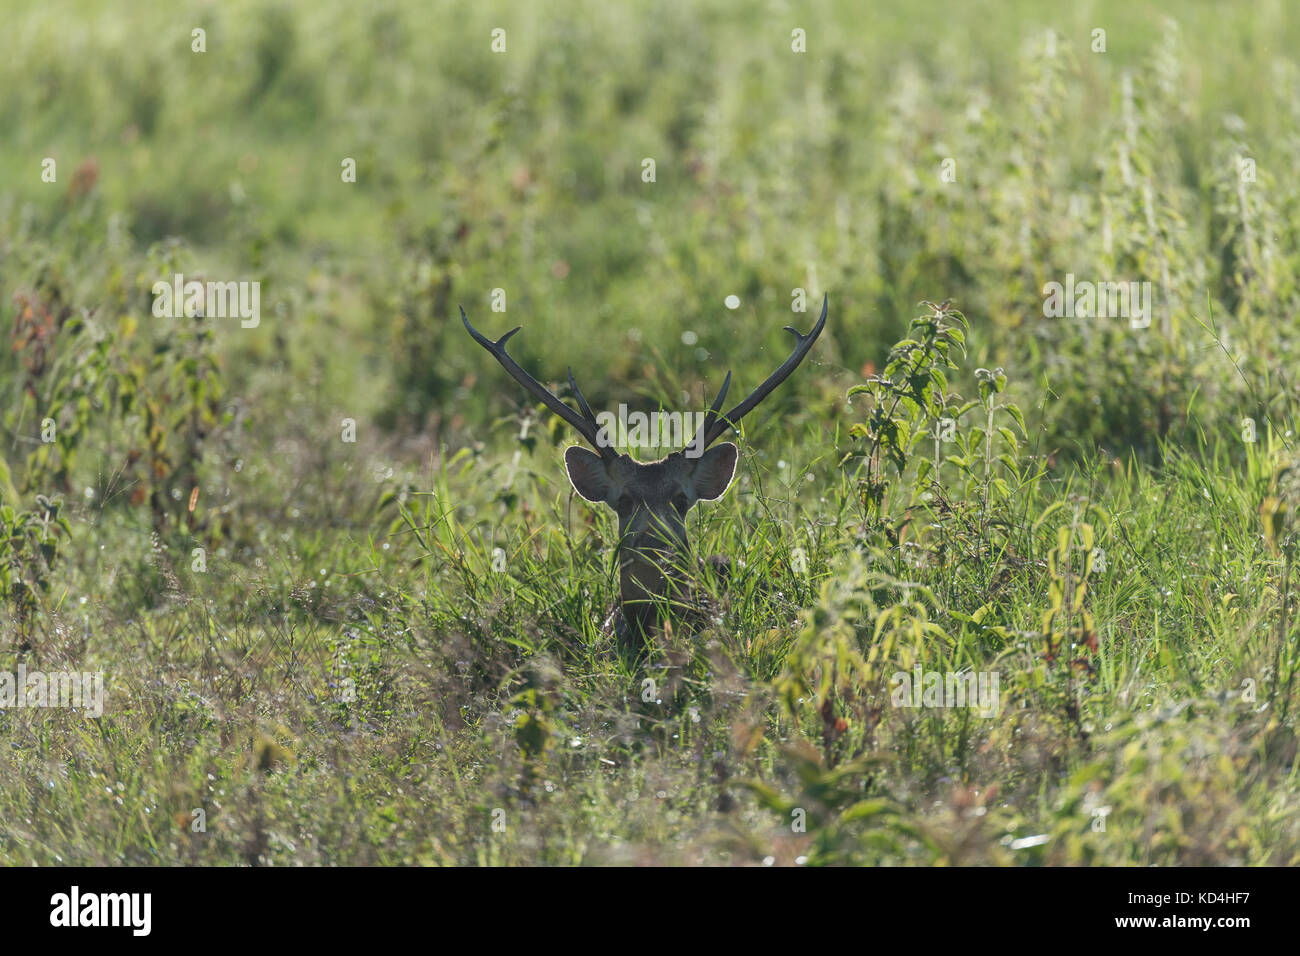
[
  {"x": 585, "y": 423},
  {"x": 606, "y": 450},
  {"x": 582, "y": 401},
  {"x": 712, "y": 417},
  {"x": 803, "y": 345}
]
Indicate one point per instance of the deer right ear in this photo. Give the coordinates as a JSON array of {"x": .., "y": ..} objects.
[
  {"x": 714, "y": 471},
  {"x": 587, "y": 474}
]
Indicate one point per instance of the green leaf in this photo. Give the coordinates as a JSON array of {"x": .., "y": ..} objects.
[
  {"x": 865, "y": 809},
  {"x": 1014, "y": 412}
]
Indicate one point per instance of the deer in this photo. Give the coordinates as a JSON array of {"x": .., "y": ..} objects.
[{"x": 651, "y": 499}]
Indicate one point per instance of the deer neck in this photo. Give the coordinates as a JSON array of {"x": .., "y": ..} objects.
[{"x": 648, "y": 579}]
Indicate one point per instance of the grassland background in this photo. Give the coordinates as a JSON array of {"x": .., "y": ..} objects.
[{"x": 479, "y": 691}]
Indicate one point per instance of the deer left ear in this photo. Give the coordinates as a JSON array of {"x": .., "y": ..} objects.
[{"x": 714, "y": 471}]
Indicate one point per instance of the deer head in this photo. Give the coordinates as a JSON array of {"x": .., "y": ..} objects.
[{"x": 651, "y": 499}]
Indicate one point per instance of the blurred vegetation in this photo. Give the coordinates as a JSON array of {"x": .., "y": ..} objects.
[{"x": 388, "y": 650}]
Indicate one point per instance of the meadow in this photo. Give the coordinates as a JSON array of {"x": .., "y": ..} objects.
[{"x": 346, "y": 606}]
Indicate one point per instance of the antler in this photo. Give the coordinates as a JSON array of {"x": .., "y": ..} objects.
[
  {"x": 714, "y": 427},
  {"x": 585, "y": 423}
]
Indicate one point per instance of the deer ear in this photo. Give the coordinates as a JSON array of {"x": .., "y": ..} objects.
[
  {"x": 587, "y": 473},
  {"x": 714, "y": 471}
]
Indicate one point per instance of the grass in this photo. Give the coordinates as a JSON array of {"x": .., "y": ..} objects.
[{"x": 389, "y": 650}]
